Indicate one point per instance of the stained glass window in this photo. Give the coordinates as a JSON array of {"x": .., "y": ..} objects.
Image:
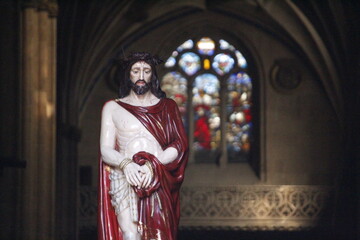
[
  {"x": 186, "y": 45},
  {"x": 175, "y": 87},
  {"x": 170, "y": 62},
  {"x": 239, "y": 122},
  {"x": 225, "y": 45},
  {"x": 206, "y": 101},
  {"x": 173, "y": 83},
  {"x": 223, "y": 63},
  {"x": 203, "y": 73},
  {"x": 206, "y": 46},
  {"x": 241, "y": 60},
  {"x": 190, "y": 63}
]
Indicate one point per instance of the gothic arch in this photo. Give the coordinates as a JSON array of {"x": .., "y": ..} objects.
[{"x": 154, "y": 31}]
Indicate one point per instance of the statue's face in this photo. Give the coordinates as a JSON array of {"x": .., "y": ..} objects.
[
  {"x": 140, "y": 73},
  {"x": 140, "y": 76}
]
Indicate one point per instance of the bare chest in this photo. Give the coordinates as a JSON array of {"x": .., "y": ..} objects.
[
  {"x": 125, "y": 122},
  {"x": 132, "y": 136}
]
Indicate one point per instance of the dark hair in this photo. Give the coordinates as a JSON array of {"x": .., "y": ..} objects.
[{"x": 125, "y": 66}]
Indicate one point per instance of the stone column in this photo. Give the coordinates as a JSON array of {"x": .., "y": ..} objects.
[
  {"x": 38, "y": 111},
  {"x": 30, "y": 114}
]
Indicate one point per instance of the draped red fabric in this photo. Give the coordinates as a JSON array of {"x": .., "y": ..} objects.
[
  {"x": 108, "y": 227},
  {"x": 159, "y": 206}
]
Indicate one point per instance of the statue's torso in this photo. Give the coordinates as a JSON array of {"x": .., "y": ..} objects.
[{"x": 132, "y": 136}]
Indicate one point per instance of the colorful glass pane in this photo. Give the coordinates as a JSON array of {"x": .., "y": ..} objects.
[
  {"x": 186, "y": 45},
  {"x": 175, "y": 87},
  {"x": 239, "y": 124},
  {"x": 206, "y": 64},
  {"x": 174, "y": 54},
  {"x": 223, "y": 63},
  {"x": 241, "y": 60},
  {"x": 207, "y": 82},
  {"x": 206, "y": 46},
  {"x": 224, "y": 45},
  {"x": 190, "y": 63},
  {"x": 170, "y": 62},
  {"x": 206, "y": 100},
  {"x": 240, "y": 81},
  {"x": 174, "y": 84}
]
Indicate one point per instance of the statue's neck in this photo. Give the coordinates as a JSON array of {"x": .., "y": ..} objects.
[{"x": 144, "y": 100}]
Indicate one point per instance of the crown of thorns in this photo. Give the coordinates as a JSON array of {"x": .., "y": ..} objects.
[{"x": 140, "y": 56}]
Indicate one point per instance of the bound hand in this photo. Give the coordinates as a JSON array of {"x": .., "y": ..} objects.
[
  {"x": 132, "y": 173},
  {"x": 147, "y": 175}
]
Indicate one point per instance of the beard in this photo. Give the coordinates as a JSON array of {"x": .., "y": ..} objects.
[{"x": 140, "y": 89}]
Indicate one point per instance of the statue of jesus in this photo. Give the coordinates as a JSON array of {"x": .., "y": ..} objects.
[{"x": 143, "y": 157}]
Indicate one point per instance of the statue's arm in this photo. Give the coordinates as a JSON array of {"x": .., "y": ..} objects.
[
  {"x": 107, "y": 136},
  {"x": 168, "y": 155},
  {"x": 171, "y": 153},
  {"x": 107, "y": 146}
]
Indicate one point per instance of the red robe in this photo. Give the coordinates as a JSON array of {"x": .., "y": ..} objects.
[{"x": 159, "y": 206}]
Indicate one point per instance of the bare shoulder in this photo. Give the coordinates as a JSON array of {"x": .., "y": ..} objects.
[{"x": 110, "y": 106}]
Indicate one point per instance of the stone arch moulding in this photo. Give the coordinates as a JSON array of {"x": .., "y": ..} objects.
[
  {"x": 301, "y": 31},
  {"x": 167, "y": 38},
  {"x": 162, "y": 33}
]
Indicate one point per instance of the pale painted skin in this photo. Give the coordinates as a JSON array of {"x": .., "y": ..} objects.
[{"x": 118, "y": 125}]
